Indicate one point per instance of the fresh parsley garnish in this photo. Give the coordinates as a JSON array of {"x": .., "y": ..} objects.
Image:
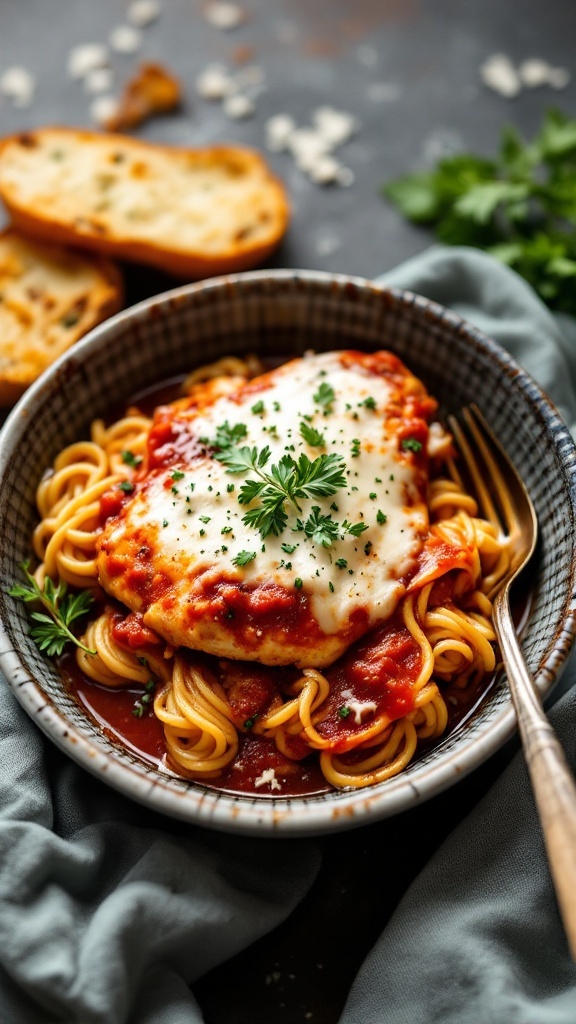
[
  {"x": 322, "y": 529},
  {"x": 380, "y": 517},
  {"x": 312, "y": 436},
  {"x": 369, "y": 403},
  {"x": 126, "y": 486},
  {"x": 243, "y": 557},
  {"x": 410, "y": 444},
  {"x": 129, "y": 459},
  {"x": 286, "y": 482},
  {"x": 227, "y": 435},
  {"x": 325, "y": 396},
  {"x": 258, "y": 407},
  {"x": 355, "y": 450},
  {"x": 520, "y": 206},
  {"x": 177, "y": 475},
  {"x": 51, "y": 632},
  {"x": 344, "y": 711},
  {"x": 341, "y": 563}
]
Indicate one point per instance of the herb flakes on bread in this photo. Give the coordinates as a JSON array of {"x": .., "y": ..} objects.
[
  {"x": 49, "y": 298},
  {"x": 192, "y": 212}
]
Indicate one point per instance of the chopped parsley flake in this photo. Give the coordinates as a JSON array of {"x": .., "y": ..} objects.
[
  {"x": 164, "y": 522},
  {"x": 312, "y": 436},
  {"x": 129, "y": 459},
  {"x": 288, "y": 548},
  {"x": 341, "y": 563},
  {"x": 177, "y": 475},
  {"x": 410, "y": 444},
  {"x": 258, "y": 407},
  {"x": 372, "y": 495},
  {"x": 380, "y": 517},
  {"x": 369, "y": 403},
  {"x": 344, "y": 711},
  {"x": 355, "y": 451},
  {"x": 331, "y": 586},
  {"x": 325, "y": 396},
  {"x": 204, "y": 519},
  {"x": 298, "y": 583},
  {"x": 243, "y": 557}
]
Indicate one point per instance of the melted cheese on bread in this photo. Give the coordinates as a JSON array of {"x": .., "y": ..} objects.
[{"x": 182, "y": 553}]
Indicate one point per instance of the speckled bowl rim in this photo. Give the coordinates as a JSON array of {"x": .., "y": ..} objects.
[{"x": 290, "y": 816}]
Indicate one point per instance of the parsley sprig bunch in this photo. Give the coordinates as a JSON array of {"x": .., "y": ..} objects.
[
  {"x": 51, "y": 631},
  {"x": 520, "y": 206},
  {"x": 285, "y": 482}
]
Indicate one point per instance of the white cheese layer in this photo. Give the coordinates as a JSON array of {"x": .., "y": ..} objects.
[{"x": 196, "y": 521}]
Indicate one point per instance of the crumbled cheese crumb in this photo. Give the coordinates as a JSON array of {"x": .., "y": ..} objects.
[
  {"x": 103, "y": 109},
  {"x": 224, "y": 15},
  {"x": 87, "y": 57},
  {"x": 499, "y": 74},
  {"x": 99, "y": 80},
  {"x": 143, "y": 12},
  {"x": 278, "y": 130},
  {"x": 312, "y": 146},
  {"x": 125, "y": 39},
  {"x": 358, "y": 707},
  {"x": 238, "y": 106},
  {"x": 18, "y": 85},
  {"x": 215, "y": 83},
  {"x": 534, "y": 73},
  {"x": 268, "y": 776}
]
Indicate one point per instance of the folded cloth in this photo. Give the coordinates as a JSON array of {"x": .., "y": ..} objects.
[
  {"x": 108, "y": 912},
  {"x": 478, "y": 937}
]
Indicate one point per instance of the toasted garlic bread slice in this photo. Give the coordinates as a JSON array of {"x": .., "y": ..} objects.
[
  {"x": 49, "y": 297},
  {"x": 192, "y": 212}
]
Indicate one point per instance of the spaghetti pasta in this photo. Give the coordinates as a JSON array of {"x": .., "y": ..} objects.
[{"x": 363, "y": 691}]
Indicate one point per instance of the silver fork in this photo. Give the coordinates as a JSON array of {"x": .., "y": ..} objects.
[{"x": 512, "y": 513}]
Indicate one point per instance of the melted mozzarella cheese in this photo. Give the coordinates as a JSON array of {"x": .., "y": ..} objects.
[{"x": 189, "y": 516}]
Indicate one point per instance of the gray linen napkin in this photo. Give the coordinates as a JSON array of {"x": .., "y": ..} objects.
[{"x": 108, "y": 912}]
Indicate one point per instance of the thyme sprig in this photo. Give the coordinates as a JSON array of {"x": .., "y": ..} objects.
[{"x": 51, "y": 631}]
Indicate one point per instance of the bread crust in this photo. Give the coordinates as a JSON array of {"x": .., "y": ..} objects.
[
  {"x": 255, "y": 238},
  {"x": 50, "y": 297}
]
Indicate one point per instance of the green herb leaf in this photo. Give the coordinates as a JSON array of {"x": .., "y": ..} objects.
[
  {"x": 520, "y": 207},
  {"x": 129, "y": 459},
  {"x": 410, "y": 444},
  {"x": 325, "y": 396},
  {"x": 51, "y": 631},
  {"x": 322, "y": 529},
  {"x": 243, "y": 557},
  {"x": 312, "y": 436}
]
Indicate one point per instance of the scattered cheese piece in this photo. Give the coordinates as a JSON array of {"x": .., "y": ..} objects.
[
  {"x": 99, "y": 80},
  {"x": 215, "y": 83},
  {"x": 125, "y": 39},
  {"x": 268, "y": 776},
  {"x": 86, "y": 58},
  {"x": 18, "y": 85},
  {"x": 359, "y": 707},
  {"x": 224, "y": 15},
  {"x": 103, "y": 109},
  {"x": 279, "y": 130},
  {"x": 334, "y": 126},
  {"x": 143, "y": 12},
  {"x": 499, "y": 74},
  {"x": 238, "y": 106}
]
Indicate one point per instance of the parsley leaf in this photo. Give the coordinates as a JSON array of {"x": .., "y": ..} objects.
[
  {"x": 51, "y": 631},
  {"x": 243, "y": 557},
  {"x": 325, "y": 396},
  {"x": 322, "y": 529},
  {"x": 520, "y": 206},
  {"x": 312, "y": 436}
]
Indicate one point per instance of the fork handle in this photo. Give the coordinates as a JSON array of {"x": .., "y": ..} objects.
[{"x": 552, "y": 780}]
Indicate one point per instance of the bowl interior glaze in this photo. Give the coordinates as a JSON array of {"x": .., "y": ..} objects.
[{"x": 285, "y": 313}]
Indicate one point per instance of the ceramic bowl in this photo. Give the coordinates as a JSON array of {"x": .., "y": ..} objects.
[{"x": 286, "y": 313}]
